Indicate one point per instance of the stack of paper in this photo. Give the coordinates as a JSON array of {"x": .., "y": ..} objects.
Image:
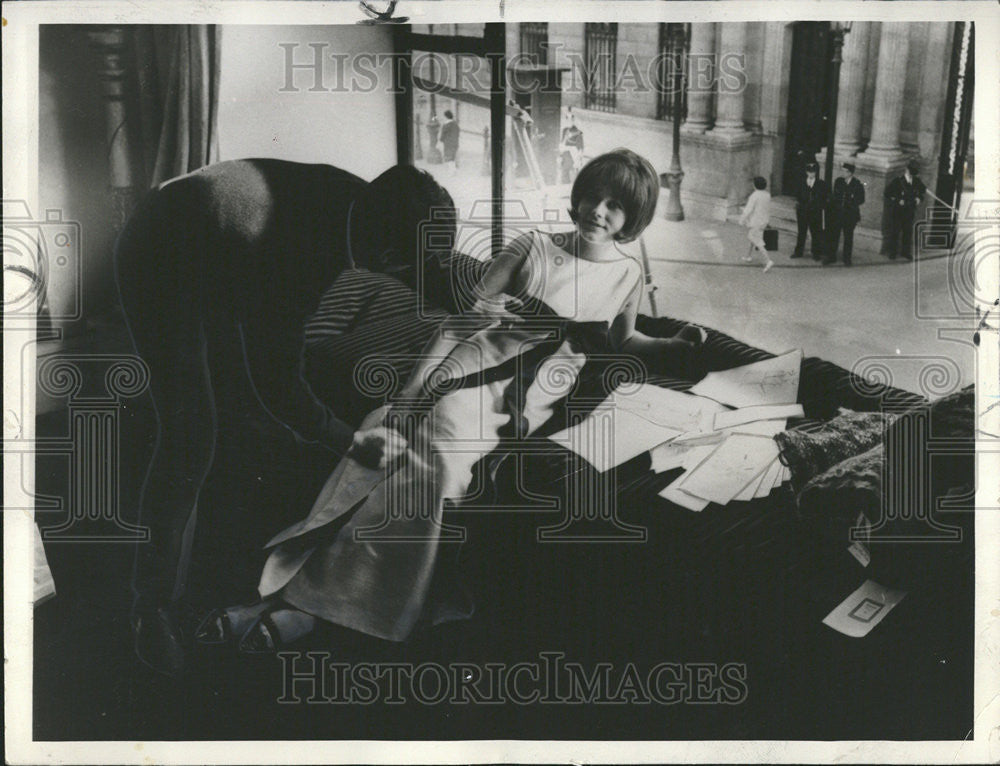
[
  {"x": 727, "y": 454},
  {"x": 633, "y": 420},
  {"x": 737, "y": 459},
  {"x": 772, "y": 381}
]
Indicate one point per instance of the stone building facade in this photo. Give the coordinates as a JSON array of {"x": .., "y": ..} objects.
[{"x": 767, "y": 97}]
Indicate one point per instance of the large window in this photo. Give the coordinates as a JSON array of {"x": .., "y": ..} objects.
[
  {"x": 451, "y": 115},
  {"x": 671, "y": 37},
  {"x": 535, "y": 41},
  {"x": 600, "y": 52}
]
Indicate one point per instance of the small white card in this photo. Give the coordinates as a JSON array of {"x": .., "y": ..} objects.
[{"x": 863, "y": 609}]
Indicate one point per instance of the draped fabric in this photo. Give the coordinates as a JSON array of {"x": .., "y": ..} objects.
[{"x": 177, "y": 74}]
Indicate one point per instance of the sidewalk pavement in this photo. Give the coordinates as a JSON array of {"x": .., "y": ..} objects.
[{"x": 723, "y": 243}]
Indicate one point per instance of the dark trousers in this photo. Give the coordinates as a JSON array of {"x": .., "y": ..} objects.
[
  {"x": 900, "y": 235},
  {"x": 199, "y": 354},
  {"x": 840, "y": 223},
  {"x": 811, "y": 222},
  {"x": 194, "y": 355}
]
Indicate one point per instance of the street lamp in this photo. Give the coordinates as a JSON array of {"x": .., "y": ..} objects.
[
  {"x": 838, "y": 31},
  {"x": 674, "y": 176},
  {"x": 433, "y": 126}
]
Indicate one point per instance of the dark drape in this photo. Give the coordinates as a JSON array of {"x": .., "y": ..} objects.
[{"x": 177, "y": 73}]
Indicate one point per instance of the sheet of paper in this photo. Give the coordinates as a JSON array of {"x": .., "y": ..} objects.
[
  {"x": 863, "y": 609},
  {"x": 771, "y": 381},
  {"x": 683, "y": 499},
  {"x": 760, "y": 427},
  {"x": 751, "y": 490},
  {"x": 696, "y": 455},
  {"x": 671, "y": 409},
  {"x": 668, "y": 456},
  {"x": 771, "y": 480},
  {"x": 748, "y": 415},
  {"x": 730, "y": 467},
  {"x": 643, "y": 419}
]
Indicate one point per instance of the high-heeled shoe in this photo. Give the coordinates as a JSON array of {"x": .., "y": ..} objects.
[
  {"x": 217, "y": 626},
  {"x": 159, "y": 643},
  {"x": 265, "y": 636},
  {"x": 262, "y": 637}
]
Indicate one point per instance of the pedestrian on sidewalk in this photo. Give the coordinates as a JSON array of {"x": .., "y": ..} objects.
[
  {"x": 902, "y": 196},
  {"x": 448, "y": 140},
  {"x": 755, "y": 216},
  {"x": 810, "y": 211},
  {"x": 845, "y": 212}
]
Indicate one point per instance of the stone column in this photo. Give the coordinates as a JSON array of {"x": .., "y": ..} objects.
[
  {"x": 701, "y": 78},
  {"x": 851, "y": 103},
  {"x": 893, "y": 54},
  {"x": 731, "y": 85}
]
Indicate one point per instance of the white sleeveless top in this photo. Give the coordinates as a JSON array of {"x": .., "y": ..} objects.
[{"x": 575, "y": 288}]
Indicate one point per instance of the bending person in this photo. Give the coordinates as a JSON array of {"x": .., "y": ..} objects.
[{"x": 229, "y": 262}]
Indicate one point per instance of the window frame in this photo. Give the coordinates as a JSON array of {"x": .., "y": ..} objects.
[{"x": 492, "y": 46}]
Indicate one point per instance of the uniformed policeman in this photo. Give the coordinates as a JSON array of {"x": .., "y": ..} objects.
[
  {"x": 810, "y": 209},
  {"x": 902, "y": 196},
  {"x": 845, "y": 212}
]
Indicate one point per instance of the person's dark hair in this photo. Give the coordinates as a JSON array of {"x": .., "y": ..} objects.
[
  {"x": 448, "y": 113},
  {"x": 627, "y": 177},
  {"x": 759, "y": 182},
  {"x": 411, "y": 215}
]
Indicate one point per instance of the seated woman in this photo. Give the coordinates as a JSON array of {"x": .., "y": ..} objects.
[{"x": 499, "y": 375}]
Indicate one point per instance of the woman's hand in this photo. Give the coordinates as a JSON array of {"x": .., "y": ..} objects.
[
  {"x": 378, "y": 447},
  {"x": 693, "y": 334},
  {"x": 496, "y": 307}
]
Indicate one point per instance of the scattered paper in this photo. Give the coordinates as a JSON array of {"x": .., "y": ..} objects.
[
  {"x": 668, "y": 456},
  {"x": 683, "y": 499},
  {"x": 771, "y": 381},
  {"x": 642, "y": 419},
  {"x": 863, "y": 609},
  {"x": 730, "y": 467},
  {"x": 760, "y": 427},
  {"x": 772, "y": 479},
  {"x": 696, "y": 455},
  {"x": 762, "y": 412},
  {"x": 752, "y": 490}
]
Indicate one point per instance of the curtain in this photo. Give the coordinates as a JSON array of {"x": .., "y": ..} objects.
[{"x": 177, "y": 74}]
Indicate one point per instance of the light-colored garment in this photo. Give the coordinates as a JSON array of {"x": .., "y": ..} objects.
[
  {"x": 374, "y": 574},
  {"x": 757, "y": 212}
]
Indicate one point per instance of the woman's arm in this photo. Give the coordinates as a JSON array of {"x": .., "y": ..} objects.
[
  {"x": 655, "y": 352},
  {"x": 502, "y": 275}
]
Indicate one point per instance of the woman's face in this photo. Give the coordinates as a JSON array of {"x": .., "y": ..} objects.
[{"x": 600, "y": 217}]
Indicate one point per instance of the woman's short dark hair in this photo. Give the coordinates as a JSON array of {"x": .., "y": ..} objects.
[
  {"x": 628, "y": 178},
  {"x": 759, "y": 182}
]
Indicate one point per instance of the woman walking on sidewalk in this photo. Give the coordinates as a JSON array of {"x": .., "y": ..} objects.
[{"x": 756, "y": 215}]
